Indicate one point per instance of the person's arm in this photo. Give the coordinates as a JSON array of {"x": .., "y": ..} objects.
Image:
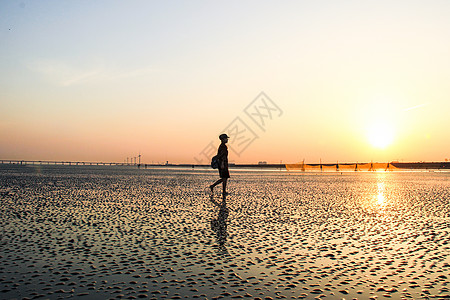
[{"x": 221, "y": 153}]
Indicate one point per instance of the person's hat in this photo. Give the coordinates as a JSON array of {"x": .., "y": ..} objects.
[{"x": 223, "y": 136}]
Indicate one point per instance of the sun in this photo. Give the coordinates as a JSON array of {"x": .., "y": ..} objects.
[{"x": 380, "y": 134}]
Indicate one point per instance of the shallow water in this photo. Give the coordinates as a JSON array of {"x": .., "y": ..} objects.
[{"x": 118, "y": 232}]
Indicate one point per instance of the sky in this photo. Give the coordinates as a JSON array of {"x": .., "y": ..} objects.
[{"x": 289, "y": 81}]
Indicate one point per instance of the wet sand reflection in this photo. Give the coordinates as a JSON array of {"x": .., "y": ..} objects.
[
  {"x": 219, "y": 224},
  {"x": 155, "y": 234}
]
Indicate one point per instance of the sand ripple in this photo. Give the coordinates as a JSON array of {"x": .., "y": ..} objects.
[{"x": 95, "y": 233}]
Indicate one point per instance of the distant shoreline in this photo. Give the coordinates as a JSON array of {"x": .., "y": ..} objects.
[{"x": 298, "y": 166}]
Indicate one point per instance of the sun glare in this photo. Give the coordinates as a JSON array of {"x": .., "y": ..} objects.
[
  {"x": 380, "y": 198},
  {"x": 381, "y": 135}
]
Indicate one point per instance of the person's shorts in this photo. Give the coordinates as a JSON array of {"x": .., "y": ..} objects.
[{"x": 224, "y": 173}]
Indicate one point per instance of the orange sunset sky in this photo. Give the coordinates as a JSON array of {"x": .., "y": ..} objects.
[{"x": 103, "y": 80}]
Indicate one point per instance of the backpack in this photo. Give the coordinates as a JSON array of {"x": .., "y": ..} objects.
[{"x": 215, "y": 162}]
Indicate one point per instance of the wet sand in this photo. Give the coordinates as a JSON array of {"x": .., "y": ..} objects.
[{"x": 110, "y": 233}]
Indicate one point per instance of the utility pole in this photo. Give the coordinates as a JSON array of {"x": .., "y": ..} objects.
[{"x": 139, "y": 165}]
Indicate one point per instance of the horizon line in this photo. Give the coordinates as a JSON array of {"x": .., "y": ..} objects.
[{"x": 167, "y": 163}]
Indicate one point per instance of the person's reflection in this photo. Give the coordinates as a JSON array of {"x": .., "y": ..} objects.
[{"x": 219, "y": 225}]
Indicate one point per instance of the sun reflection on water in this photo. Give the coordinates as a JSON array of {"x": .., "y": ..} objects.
[{"x": 381, "y": 200}]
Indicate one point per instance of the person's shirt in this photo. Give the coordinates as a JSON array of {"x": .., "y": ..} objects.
[{"x": 222, "y": 154}]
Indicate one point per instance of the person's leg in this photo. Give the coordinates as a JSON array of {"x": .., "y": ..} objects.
[
  {"x": 224, "y": 185},
  {"x": 215, "y": 183}
]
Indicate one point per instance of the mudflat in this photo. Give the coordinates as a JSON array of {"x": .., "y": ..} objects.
[{"x": 119, "y": 232}]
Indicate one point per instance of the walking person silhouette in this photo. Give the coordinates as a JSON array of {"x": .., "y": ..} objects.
[{"x": 222, "y": 155}]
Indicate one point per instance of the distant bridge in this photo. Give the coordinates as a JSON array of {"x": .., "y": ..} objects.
[{"x": 62, "y": 163}]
